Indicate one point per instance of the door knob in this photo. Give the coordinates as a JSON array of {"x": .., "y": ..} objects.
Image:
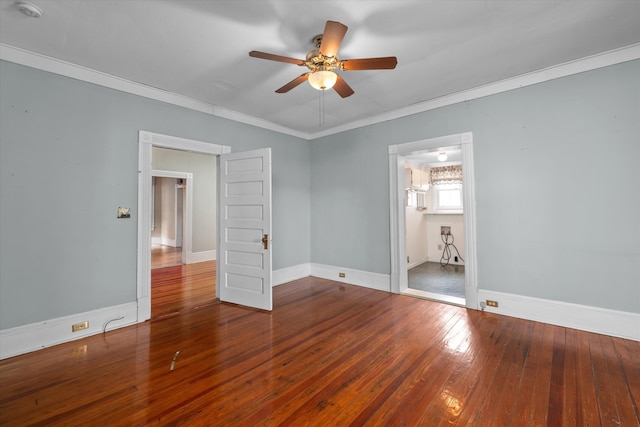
[{"x": 265, "y": 241}]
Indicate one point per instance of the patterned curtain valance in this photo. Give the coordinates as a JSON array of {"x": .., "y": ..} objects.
[{"x": 446, "y": 175}]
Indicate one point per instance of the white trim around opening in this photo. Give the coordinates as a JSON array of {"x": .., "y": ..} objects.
[
  {"x": 399, "y": 282},
  {"x": 147, "y": 140}
]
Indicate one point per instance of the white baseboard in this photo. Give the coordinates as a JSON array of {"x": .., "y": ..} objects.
[
  {"x": 587, "y": 318},
  {"x": 366, "y": 279},
  {"x": 35, "y": 336},
  {"x": 163, "y": 241},
  {"x": 416, "y": 263},
  {"x": 288, "y": 274},
  {"x": 202, "y": 256},
  {"x": 451, "y": 261}
]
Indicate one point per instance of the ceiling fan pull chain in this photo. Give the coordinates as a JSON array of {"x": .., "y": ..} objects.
[
  {"x": 322, "y": 95},
  {"x": 322, "y": 110}
]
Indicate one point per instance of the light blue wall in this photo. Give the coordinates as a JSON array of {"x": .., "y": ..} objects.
[
  {"x": 556, "y": 175},
  {"x": 69, "y": 159},
  {"x": 557, "y": 188},
  {"x": 350, "y": 188}
]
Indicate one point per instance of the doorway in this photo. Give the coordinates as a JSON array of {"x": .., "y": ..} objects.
[
  {"x": 434, "y": 224},
  {"x": 243, "y": 265},
  {"x": 183, "y": 240},
  {"x": 147, "y": 142},
  {"x": 401, "y": 156}
]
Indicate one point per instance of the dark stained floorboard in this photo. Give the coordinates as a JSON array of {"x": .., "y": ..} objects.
[{"x": 328, "y": 354}]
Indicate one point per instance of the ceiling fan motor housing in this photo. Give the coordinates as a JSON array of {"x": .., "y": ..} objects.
[{"x": 316, "y": 61}]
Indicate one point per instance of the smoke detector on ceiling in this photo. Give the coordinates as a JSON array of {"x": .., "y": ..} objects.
[{"x": 29, "y": 9}]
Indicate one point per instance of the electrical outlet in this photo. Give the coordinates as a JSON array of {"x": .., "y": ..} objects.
[
  {"x": 445, "y": 230},
  {"x": 342, "y": 275},
  {"x": 79, "y": 326},
  {"x": 491, "y": 303}
]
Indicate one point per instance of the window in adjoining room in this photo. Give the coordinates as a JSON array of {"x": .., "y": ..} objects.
[{"x": 448, "y": 197}]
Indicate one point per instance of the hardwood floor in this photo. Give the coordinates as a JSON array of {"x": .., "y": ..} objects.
[
  {"x": 165, "y": 256},
  {"x": 182, "y": 287},
  {"x": 328, "y": 354}
]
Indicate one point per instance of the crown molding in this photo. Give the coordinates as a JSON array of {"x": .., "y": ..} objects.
[
  {"x": 612, "y": 57},
  {"x": 74, "y": 71},
  {"x": 67, "y": 69}
]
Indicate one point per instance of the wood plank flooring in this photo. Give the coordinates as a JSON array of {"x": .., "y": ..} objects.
[
  {"x": 182, "y": 287},
  {"x": 165, "y": 256},
  {"x": 329, "y": 354}
]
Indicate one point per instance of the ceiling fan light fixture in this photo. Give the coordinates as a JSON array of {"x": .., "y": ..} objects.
[
  {"x": 442, "y": 156},
  {"x": 322, "y": 79}
]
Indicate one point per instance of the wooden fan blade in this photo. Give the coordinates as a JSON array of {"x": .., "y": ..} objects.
[
  {"x": 293, "y": 83},
  {"x": 342, "y": 87},
  {"x": 384, "y": 63},
  {"x": 332, "y": 38},
  {"x": 272, "y": 57}
]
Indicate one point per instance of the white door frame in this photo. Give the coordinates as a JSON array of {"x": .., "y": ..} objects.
[
  {"x": 147, "y": 140},
  {"x": 399, "y": 281},
  {"x": 187, "y": 217}
]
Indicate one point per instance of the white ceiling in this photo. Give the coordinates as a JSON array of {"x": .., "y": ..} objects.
[
  {"x": 429, "y": 158},
  {"x": 199, "y": 49}
]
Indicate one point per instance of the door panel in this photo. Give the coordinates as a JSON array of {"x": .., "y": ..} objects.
[{"x": 245, "y": 208}]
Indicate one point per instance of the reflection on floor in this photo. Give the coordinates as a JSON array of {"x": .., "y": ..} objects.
[
  {"x": 165, "y": 256},
  {"x": 182, "y": 288},
  {"x": 176, "y": 287},
  {"x": 431, "y": 277}
]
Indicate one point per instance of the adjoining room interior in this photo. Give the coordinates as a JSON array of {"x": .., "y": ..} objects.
[
  {"x": 434, "y": 218},
  {"x": 167, "y": 221},
  {"x": 183, "y": 272}
]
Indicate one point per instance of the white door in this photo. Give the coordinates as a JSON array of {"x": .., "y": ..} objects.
[{"x": 245, "y": 228}]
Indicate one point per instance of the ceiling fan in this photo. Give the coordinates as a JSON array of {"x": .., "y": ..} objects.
[{"x": 323, "y": 60}]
